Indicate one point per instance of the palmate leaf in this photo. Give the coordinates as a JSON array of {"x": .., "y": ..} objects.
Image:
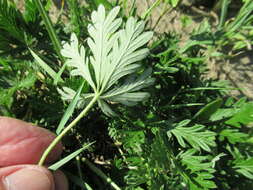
[{"x": 114, "y": 56}]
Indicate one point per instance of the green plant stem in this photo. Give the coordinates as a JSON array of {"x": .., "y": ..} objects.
[
  {"x": 70, "y": 126},
  {"x": 50, "y": 29},
  {"x": 165, "y": 10},
  {"x": 79, "y": 167},
  {"x": 147, "y": 12},
  {"x": 224, "y": 10},
  {"x": 101, "y": 174}
]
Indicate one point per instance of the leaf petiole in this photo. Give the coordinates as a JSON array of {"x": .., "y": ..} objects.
[{"x": 63, "y": 133}]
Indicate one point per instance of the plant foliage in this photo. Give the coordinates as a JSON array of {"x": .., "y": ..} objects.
[
  {"x": 114, "y": 56},
  {"x": 188, "y": 135}
]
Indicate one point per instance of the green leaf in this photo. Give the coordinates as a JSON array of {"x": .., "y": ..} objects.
[
  {"x": 223, "y": 113},
  {"x": 243, "y": 117},
  {"x": 63, "y": 161},
  {"x": 240, "y": 102},
  {"x": 6, "y": 97},
  {"x": 67, "y": 94},
  {"x": 69, "y": 110},
  {"x": 234, "y": 136},
  {"x": 115, "y": 52},
  {"x": 217, "y": 158},
  {"x": 201, "y": 169},
  {"x": 102, "y": 38},
  {"x": 206, "y": 112},
  {"x": 183, "y": 123},
  {"x": 106, "y": 108},
  {"x": 58, "y": 75},
  {"x": 245, "y": 167},
  {"x": 49, "y": 26},
  {"x": 28, "y": 81},
  {"x": 44, "y": 66},
  {"x": 23, "y": 82},
  {"x": 195, "y": 136}
]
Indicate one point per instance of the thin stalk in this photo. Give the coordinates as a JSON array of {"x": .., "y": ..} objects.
[
  {"x": 131, "y": 12},
  {"x": 101, "y": 174},
  {"x": 165, "y": 10},
  {"x": 147, "y": 12},
  {"x": 50, "y": 29},
  {"x": 224, "y": 10},
  {"x": 64, "y": 132},
  {"x": 79, "y": 168}
]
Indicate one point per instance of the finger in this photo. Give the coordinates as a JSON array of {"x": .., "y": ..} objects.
[
  {"x": 24, "y": 143},
  {"x": 28, "y": 177},
  {"x": 60, "y": 180}
]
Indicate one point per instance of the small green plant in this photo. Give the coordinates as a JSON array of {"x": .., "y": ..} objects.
[{"x": 114, "y": 56}]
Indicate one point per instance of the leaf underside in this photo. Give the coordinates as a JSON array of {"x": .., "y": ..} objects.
[{"x": 115, "y": 55}]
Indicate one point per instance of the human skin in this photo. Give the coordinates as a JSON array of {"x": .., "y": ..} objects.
[{"x": 21, "y": 146}]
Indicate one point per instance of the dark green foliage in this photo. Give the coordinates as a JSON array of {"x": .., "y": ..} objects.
[
  {"x": 15, "y": 79},
  {"x": 186, "y": 147},
  {"x": 11, "y": 26},
  {"x": 190, "y": 135}
]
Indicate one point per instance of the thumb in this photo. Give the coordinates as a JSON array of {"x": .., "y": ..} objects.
[{"x": 28, "y": 178}]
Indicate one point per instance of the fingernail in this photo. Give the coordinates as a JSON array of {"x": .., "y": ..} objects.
[{"x": 28, "y": 179}]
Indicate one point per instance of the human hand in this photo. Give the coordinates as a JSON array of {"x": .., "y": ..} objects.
[{"x": 21, "y": 146}]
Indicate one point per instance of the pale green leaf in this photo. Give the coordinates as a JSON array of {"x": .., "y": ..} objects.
[
  {"x": 114, "y": 55},
  {"x": 101, "y": 31},
  {"x": 130, "y": 99},
  {"x": 106, "y": 108},
  {"x": 131, "y": 84},
  {"x": 77, "y": 59},
  {"x": 67, "y": 94}
]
